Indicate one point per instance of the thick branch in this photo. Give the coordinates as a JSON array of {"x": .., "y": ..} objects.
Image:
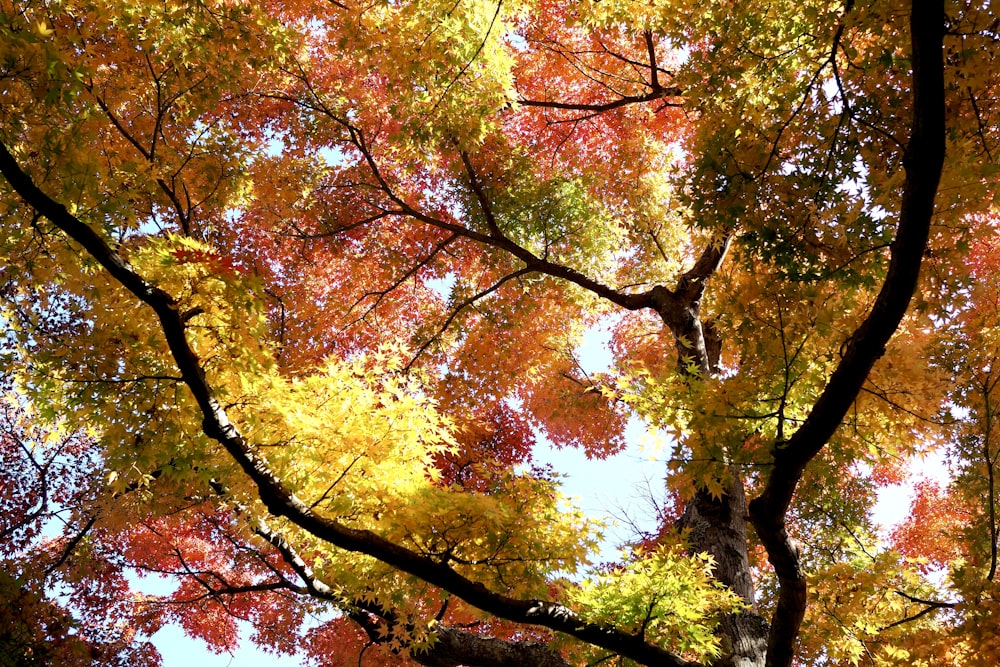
[
  {"x": 680, "y": 310},
  {"x": 276, "y": 497},
  {"x": 452, "y": 647},
  {"x": 923, "y": 161},
  {"x": 989, "y": 461},
  {"x": 459, "y": 647}
]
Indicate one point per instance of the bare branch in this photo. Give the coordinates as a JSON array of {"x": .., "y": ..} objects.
[
  {"x": 930, "y": 606},
  {"x": 597, "y": 108}
]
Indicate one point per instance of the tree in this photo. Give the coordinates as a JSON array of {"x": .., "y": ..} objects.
[{"x": 291, "y": 288}]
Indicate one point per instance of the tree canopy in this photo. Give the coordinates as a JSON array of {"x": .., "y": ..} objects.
[{"x": 292, "y": 291}]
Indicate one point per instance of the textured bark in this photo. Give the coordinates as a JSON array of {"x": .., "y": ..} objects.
[
  {"x": 457, "y": 647},
  {"x": 718, "y": 526},
  {"x": 698, "y": 345}
]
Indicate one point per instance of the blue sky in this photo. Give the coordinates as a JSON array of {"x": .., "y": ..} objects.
[
  {"x": 604, "y": 489},
  {"x": 608, "y": 488}
]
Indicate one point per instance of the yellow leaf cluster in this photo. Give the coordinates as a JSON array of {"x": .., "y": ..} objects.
[{"x": 666, "y": 596}]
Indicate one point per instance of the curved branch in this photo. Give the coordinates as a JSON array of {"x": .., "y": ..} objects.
[
  {"x": 452, "y": 647},
  {"x": 923, "y": 161},
  {"x": 494, "y": 239},
  {"x": 279, "y": 500}
]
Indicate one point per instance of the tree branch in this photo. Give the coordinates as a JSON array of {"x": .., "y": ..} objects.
[
  {"x": 276, "y": 497},
  {"x": 625, "y": 100},
  {"x": 923, "y": 161},
  {"x": 452, "y": 647}
]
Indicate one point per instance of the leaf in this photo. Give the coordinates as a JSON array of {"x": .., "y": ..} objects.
[{"x": 293, "y": 294}]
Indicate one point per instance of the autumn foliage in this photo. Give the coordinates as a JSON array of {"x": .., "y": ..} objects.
[{"x": 292, "y": 295}]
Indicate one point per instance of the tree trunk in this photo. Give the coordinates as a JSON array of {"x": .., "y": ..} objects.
[{"x": 718, "y": 526}]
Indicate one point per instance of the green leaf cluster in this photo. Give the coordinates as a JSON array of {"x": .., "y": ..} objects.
[{"x": 666, "y": 596}]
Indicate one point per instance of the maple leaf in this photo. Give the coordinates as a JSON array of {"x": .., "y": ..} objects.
[{"x": 291, "y": 292}]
